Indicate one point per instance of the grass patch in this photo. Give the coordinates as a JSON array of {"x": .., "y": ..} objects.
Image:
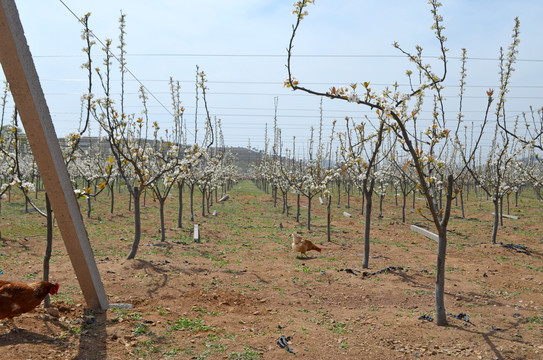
[
  {"x": 247, "y": 354},
  {"x": 193, "y": 325}
]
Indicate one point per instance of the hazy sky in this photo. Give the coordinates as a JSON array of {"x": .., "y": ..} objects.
[{"x": 241, "y": 46}]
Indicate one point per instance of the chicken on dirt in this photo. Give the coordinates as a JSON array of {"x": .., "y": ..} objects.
[
  {"x": 17, "y": 298},
  {"x": 301, "y": 245}
]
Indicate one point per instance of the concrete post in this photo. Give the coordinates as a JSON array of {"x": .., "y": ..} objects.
[{"x": 26, "y": 90}]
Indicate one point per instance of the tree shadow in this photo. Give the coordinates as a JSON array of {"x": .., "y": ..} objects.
[
  {"x": 30, "y": 337},
  {"x": 307, "y": 257},
  {"x": 468, "y": 297},
  {"x": 493, "y": 333},
  {"x": 26, "y": 337},
  {"x": 93, "y": 338}
]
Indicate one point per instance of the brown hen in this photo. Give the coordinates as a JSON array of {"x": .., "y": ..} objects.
[
  {"x": 17, "y": 298},
  {"x": 301, "y": 245}
]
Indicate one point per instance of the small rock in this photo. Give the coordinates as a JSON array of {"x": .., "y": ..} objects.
[{"x": 53, "y": 312}]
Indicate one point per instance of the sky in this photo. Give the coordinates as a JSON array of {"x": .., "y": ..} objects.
[{"x": 241, "y": 46}]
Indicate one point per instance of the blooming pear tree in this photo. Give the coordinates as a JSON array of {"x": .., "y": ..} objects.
[
  {"x": 89, "y": 165},
  {"x": 492, "y": 174},
  {"x": 361, "y": 153},
  {"x": 312, "y": 179},
  {"x": 127, "y": 136},
  {"x": 404, "y": 176},
  {"x": 18, "y": 166}
]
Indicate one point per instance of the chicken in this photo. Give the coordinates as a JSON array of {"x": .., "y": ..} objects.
[
  {"x": 17, "y": 298},
  {"x": 301, "y": 245}
]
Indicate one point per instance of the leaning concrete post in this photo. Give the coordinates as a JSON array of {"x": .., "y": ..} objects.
[{"x": 28, "y": 95}]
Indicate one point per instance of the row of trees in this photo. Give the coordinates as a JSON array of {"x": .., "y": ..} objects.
[
  {"x": 128, "y": 150},
  {"x": 388, "y": 172}
]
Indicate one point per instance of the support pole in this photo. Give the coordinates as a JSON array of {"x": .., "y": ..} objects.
[{"x": 26, "y": 90}]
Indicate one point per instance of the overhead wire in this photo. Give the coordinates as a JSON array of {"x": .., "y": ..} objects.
[
  {"x": 333, "y": 56},
  {"x": 376, "y": 56},
  {"x": 230, "y": 82},
  {"x": 126, "y": 68}
]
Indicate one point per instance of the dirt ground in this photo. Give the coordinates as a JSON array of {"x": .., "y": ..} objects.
[{"x": 235, "y": 294}]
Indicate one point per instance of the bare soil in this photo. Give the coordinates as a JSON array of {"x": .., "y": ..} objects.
[{"x": 233, "y": 295}]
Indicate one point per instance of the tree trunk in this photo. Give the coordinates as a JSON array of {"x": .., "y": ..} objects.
[
  {"x": 298, "y": 208},
  {"x": 501, "y": 211},
  {"x": 209, "y": 202},
  {"x": 203, "y": 203},
  {"x": 161, "y": 202},
  {"x": 369, "y": 200},
  {"x": 381, "y": 198},
  {"x": 137, "y": 224},
  {"x": 462, "y": 204},
  {"x": 112, "y": 193},
  {"x": 309, "y": 213},
  {"x": 286, "y": 203},
  {"x": 441, "y": 315},
  {"x": 496, "y": 220},
  {"x": 191, "y": 202},
  {"x": 338, "y": 193},
  {"x": 180, "y": 206},
  {"x": 363, "y": 202},
  {"x": 210, "y": 199},
  {"x": 349, "y": 196},
  {"x": 329, "y": 217},
  {"x": 367, "y": 224},
  {"x": 48, "y": 247},
  {"x": 145, "y": 198},
  {"x": 404, "y": 195},
  {"x": 89, "y": 206},
  {"x": 441, "y": 226}
]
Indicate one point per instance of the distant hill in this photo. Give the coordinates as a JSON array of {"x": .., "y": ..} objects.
[{"x": 244, "y": 157}]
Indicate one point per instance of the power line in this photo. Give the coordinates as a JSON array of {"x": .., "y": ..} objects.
[
  {"x": 332, "y": 56},
  {"x": 116, "y": 58},
  {"x": 290, "y": 94},
  {"x": 231, "y": 82}
]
